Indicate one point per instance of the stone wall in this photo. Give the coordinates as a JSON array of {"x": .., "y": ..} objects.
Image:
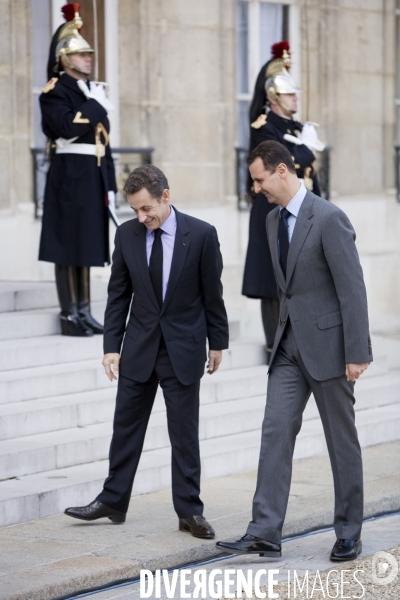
[
  {"x": 177, "y": 92},
  {"x": 352, "y": 88},
  {"x": 15, "y": 113}
]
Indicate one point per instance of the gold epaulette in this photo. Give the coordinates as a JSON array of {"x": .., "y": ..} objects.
[
  {"x": 262, "y": 119},
  {"x": 50, "y": 85}
]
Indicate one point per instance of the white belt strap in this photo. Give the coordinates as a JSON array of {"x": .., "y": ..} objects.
[{"x": 91, "y": 149}]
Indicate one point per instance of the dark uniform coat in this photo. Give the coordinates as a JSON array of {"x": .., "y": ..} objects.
[
  {"x": 75, "y": 215},
  {"x": 259, "y": 279}
]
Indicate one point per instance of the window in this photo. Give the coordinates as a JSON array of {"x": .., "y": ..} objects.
[{"x": 258, "y": 25}]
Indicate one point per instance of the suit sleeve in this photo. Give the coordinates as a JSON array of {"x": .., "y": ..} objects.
[
  {"x": 338, "y": 240},
  {"x": 118, "y": 302},
  {"x": 59, "y": 116},
  {"x": 210, "y": 272}
]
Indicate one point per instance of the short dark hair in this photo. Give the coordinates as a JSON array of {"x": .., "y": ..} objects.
[
  {"x": 149, "y": 177},
  {"x": 272, "y": 154}
]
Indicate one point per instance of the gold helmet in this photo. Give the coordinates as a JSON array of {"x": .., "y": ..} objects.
[
  {"x": 278, "y": 79},
  {"x": 67, "y": 40}
]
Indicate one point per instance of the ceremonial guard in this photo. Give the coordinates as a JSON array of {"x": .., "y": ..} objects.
[
  {"x": 81, "y": 179},
  {"x": 271, "y": 117}
]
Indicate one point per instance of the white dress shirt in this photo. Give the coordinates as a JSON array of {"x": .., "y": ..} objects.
[
  {"x": 294, "y": 207},
  {"x": 168, "y": 241}
]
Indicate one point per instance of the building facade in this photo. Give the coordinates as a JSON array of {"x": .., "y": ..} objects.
[{"x": 181, "y": 74}]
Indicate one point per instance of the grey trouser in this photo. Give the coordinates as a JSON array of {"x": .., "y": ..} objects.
[{"x": 289, "y": 388}]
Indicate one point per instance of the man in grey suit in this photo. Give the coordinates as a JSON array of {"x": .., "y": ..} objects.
[{"x": 322, "y": 346}]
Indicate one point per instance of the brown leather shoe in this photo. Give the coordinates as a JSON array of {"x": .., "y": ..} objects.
[
  {"x": 198, "y": 527},
  {"x": 95, "y": 510}
]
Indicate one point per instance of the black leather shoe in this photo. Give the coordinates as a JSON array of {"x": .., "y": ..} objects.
[
  {"x": 73, "y": 326},
  {"x": 90, "y": 323},
  {"x": 346, "y": 550},
  {"x": 95, "y": 510},
  {"x": 198, "y": 527},
  {"x": 249, "y": 544}
]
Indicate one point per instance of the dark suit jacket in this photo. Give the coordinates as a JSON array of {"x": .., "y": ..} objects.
[
  {"x": 193, "y": 309},
  {"x": 323, "y": 293}
]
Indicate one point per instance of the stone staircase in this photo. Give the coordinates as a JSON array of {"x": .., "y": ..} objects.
[{"x": 56, "y": 409}]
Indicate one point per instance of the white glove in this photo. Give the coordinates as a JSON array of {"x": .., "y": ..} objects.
[
  {"x": 111, "y": 200},
  {"x": 309, "y": 137},
  {"x": 97, "y": 93}
]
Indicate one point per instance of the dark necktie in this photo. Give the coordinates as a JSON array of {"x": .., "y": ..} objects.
[
  {"x": 283, "y": 237},
  {"x": 156, "y": 265}
]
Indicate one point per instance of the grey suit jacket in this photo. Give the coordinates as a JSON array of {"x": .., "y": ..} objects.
[{"x": 323, "y": 293}]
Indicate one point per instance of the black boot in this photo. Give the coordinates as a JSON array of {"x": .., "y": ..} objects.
[
  {"x": 83, "y": 277},
  {"x": 67, "y": 296}
]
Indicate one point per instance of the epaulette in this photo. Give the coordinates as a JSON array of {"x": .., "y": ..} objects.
[
  {"x": 262, "y": 119},
  {"x": 50, "y": 85}
]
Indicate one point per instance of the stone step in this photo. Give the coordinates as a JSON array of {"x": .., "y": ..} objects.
[
  {"x": 40, "y": 382},
  {"x": 47, "y": 493},
  {"x": 29, "y": 295},
  {"x": 54, "y": 380},
  {"x": 57, "y": 450},
  {"x": 376, "y": 425},
  {"x": 18, "y": 419},
  {"x": 85, "y": 444},
  {"x": 370, "y": 392},
  {"x": 58, "y": 349},
  {"x": 27, "y": 418},
  {"x": 19, "y": 325},
  {"x": 32, "y": 295},
  {"x": 47, "y": 350},
  {"x": 52, "y": 413},
  {"x": 18, "y": 385},
  {"x": 29, "y": 323},
  {"x": 42, "y": 319}
]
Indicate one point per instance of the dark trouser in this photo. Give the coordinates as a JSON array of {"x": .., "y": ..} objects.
[
  {"x": 289, "y": 387},
  {"x": 133, "y": 407},
  {"x": 270, "y": 319}
]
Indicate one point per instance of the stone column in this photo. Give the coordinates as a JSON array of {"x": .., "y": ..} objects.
[
  {"x": 177, "y": 92},
  {"x": 15, "y": 113},
  {"x": 352, "y": 69}
]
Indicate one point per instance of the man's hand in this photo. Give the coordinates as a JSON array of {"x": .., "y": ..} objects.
[
  {"x": 214, "y": 360},
  {"x": 111, "y": 365},
  {"x": 354, "y": 370}
]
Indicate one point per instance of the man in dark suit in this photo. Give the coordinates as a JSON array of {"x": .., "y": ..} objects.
[
  {"x": 166, "y": 275},
  {"x": 322, "y": 346}
]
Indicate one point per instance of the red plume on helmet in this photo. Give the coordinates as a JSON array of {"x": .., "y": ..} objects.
[
  {"x": 278, "y": 48},
  {"x": 69, "y": 10}
]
